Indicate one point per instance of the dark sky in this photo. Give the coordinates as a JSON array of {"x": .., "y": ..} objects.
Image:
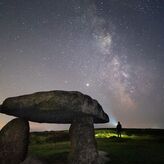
[{"x": 112, "y": 50}]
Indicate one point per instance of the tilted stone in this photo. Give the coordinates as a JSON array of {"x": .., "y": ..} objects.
[
  {"x": 54, "y": 107},
  {"x": 14, "y": 138}
]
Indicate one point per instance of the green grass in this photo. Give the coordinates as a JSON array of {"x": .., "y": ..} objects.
[
  {"x": 135, "y": 147},
  {"x": 50, "y": 152},
  {"x": 132, "y": 151}
]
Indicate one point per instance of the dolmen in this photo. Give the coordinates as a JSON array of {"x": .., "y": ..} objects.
[{"x": 63, "y": 107}]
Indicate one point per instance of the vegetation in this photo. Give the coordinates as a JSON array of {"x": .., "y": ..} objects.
[{"x": 136, "y": 146}]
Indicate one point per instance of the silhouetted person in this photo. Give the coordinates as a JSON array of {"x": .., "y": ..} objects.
[{"x": 119, "y": 129}]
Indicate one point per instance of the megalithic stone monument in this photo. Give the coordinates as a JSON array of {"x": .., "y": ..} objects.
[{"x": 75, "y": 108}]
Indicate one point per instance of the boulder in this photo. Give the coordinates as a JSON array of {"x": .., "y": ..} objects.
[
  {"x": 54, "y": 107},
  {"x": 14, "y": 138}
]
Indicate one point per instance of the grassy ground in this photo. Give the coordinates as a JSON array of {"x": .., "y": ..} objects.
[{"x": 135, "y": 147}]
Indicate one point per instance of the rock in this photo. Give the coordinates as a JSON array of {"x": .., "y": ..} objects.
[
  {"x": 14, "y": 139},
  {"x": 83, "y": 143},
  {"x": 54, "y": 107},
  {"x": 33, "y": 160},
  {"x": 103, "y": 158}
]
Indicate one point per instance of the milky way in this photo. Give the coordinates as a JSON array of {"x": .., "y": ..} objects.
[{"x": 109, "y": 49}]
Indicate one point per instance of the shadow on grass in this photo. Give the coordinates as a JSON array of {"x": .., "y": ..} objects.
[
  {"x": 60, "y": 158},
  {"x": 117, "y": 139}
]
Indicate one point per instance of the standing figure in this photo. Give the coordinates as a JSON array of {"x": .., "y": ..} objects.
[{"x": 119, "y": 129}]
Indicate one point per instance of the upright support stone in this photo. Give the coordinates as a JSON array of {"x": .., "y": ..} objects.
[
  {"x": 83, "y": 143},
  {"x": 14, "y": 138}
]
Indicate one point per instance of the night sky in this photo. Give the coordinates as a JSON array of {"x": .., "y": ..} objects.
[{"x": 112, "y": 50}]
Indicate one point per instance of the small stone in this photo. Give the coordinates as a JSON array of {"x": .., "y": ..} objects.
[
  {"x": 103, "y": 158},
  {"x": 14, "y": 138},
  {"x": 33, "y": 160}
]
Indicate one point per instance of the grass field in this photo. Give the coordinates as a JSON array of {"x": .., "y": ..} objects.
[{"x": 137, "y": 146}]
